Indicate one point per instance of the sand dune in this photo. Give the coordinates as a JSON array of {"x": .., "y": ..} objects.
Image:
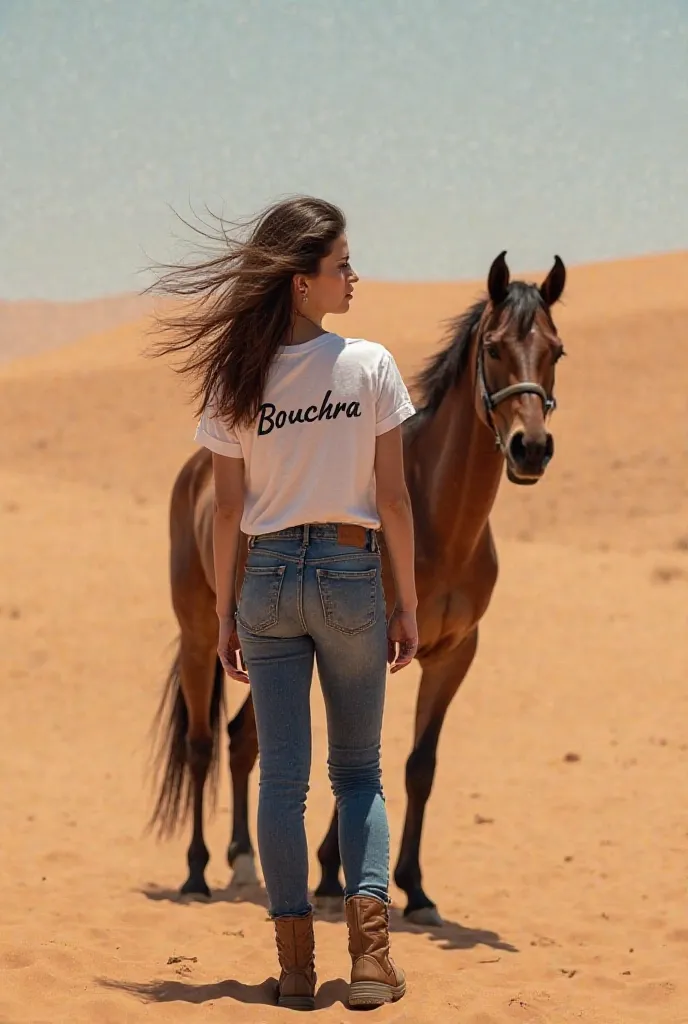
[
  {"x": 33, "y": 327},
  {"x": 561, "y": 878}
]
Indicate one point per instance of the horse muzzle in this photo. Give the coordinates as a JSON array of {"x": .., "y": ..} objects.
[{"x": 527, "y": 456}]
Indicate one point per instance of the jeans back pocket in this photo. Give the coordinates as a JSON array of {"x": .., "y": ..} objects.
[
  {"x": 349, "y": 598},
  {"x": 259, "y": 601}
]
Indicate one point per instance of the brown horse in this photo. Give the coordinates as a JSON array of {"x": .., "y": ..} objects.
[{"x": 484, "y": 402}]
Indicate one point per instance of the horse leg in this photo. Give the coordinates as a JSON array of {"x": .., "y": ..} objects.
[
  {"x": 438, "y": 686},
  {"x": 202, "y": 690},
  {"x": 243, "y": 751},
  {"x": 188, "y": 720},
  {"x": 329, "y": 896}
]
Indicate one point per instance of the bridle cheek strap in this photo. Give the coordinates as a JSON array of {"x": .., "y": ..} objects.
[{"x": 492, "y": 400}]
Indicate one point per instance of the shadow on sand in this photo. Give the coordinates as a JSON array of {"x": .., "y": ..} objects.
[
  {"x": 450, "y": 935},
  {"x": 329, "y": 993},
  {"x": 230, "y": 894}
]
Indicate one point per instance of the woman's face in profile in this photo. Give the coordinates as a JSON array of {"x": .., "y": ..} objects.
[{"x": 331, "y": 289}]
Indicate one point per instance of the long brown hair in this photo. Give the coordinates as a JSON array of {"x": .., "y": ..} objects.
[{"x": 243, "y": 310}]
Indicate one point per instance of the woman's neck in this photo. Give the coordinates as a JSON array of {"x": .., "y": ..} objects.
[{"x": 304, "y": 329}]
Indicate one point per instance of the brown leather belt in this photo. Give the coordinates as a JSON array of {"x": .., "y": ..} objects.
[{"x": 348, "y": 535}]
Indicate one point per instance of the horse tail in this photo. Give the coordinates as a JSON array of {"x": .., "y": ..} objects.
[{"x": 174, "y": 799}]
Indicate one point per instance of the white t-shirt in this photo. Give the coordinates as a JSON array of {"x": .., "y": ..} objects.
[{"x": 309, "y": 457}]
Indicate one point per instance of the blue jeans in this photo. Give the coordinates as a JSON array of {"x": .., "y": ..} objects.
[{"x": 305, "y": 597}]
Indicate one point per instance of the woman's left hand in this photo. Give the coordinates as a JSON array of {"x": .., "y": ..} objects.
[{"x": 229, "y": 650}]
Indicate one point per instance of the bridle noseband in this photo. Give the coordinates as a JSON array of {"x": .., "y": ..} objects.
[{"x": 492, "y": 399}]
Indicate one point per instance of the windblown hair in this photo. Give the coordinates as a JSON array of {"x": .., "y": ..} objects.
[{"x": 243, "y": 308}]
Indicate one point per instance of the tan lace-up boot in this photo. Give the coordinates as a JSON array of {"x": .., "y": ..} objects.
[
  {"x": 375, "y": 979},
  {"x": 296, "y": 951}
]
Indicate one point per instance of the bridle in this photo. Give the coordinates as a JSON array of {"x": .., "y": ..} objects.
[{"x": 492, "y": 399}]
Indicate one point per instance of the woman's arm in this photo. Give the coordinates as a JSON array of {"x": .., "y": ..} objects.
[
  {"x": 229, "y": 508},
  {"x": 394, "y": 509}
]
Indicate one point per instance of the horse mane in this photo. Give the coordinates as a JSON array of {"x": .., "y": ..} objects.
[{"x": 443, "y": 370}]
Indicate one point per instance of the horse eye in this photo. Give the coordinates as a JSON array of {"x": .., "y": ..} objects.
[
  {"x": 559, "y": 353},
  {"x": 493, "y": 350}
]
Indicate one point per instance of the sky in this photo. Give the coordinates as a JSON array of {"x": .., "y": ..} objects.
[{"x": 446, "y": 130}]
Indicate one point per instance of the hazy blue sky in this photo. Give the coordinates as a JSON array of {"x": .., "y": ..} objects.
[{"x": 447, "y": 129}]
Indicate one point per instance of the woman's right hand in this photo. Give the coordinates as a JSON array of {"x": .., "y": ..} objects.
[
  {"x": 229, "y": 650},
  {"x": 402, "y": 639}
]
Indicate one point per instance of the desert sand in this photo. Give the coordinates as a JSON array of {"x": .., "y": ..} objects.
[
  {"x": 31, "y": 327},
  {"x": 556, "y": 840}
]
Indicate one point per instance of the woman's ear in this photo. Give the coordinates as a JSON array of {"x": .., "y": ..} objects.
[{"x": 299, "y": 287}]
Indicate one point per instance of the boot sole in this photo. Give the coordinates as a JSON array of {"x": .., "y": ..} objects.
[
  {"x": 297, "y": 1002},
  {"x": 374, "y": 993}
]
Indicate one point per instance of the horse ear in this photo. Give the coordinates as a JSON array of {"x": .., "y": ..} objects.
[
  {"x": 498, "y": 279},
  {"x": 552, "y": 287}
]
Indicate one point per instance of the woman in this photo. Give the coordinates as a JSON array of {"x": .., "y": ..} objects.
[{"x": 305, "y": 430}]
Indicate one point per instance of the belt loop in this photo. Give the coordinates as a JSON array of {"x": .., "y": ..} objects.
[
  {"x": 306, "y": 535},
  {"x": 373, "y": 541},
  {"x": 251, "y": 541}
]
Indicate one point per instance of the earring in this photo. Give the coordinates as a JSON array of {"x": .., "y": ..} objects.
[{"x": 305, "y": 298}]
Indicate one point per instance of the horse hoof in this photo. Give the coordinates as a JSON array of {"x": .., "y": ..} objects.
[
  {"x": 329, "y": 905},
  {"x": 426, "y": 917},
  {"x": 195, "y": 887},
  {"x": 244, "y": 870}
]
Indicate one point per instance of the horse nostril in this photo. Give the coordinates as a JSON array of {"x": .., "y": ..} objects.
[{"x": 517, "y": 447}]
